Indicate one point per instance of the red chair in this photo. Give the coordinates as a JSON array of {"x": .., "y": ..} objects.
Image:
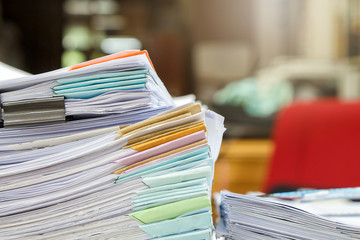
[{"x": 317, "y": 145}]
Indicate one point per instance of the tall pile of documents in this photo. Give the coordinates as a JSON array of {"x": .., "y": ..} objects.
[
  {"x": 250, "y": 217},
  {"x": 123, "y": 164}
]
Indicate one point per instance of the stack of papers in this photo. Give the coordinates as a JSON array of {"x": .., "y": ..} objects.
[
  {"x": 148, "y": 180},
  {"x": 93, "y": 178},
  {"x": 250, "y": 217},
  {"x": 118, "y": 84}
]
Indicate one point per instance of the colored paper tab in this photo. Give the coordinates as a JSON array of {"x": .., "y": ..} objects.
[{"x": 171, "y": 210}]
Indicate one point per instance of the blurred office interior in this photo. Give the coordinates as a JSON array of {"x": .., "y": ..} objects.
[{"x": 247, "y": 60}]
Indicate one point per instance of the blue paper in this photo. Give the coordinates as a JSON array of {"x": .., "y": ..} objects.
[
  {"x": 102, "y": 86},
  {"x": 177, "y": 177},
  {"x": 98, "y": 81},
  {"x": 94, "y": 93},
  {"x": 196, "y": 155},
  {"x": 100, "y": 76}
]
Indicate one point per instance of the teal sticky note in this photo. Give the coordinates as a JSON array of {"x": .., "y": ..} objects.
[
  {"x": 162, "y": 194},
  {"x": 94, "y": 93},
  {"x": 151, "y": 191},
  {"x": 98, "y": 81},
  {"x": 160, "y": 198},
  {"x": 177, "y": 177},
  {"x": 192, "y": 156},
  {"x": 172, "y": 167},
  {"x": 101, "y": 86},
  {"x": 182, "y": 167},
  {"x": 88, "y": 77}
]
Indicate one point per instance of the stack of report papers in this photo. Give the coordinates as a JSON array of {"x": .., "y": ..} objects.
[
  {"x": 118, "y": 84},
  {"x": 251, "y": 217},
  {"x": 113, "y": 176}
]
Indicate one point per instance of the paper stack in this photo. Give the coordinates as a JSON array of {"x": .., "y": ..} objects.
[
  {"x": 123, "y": 83},
  {"x": 250, "y": 217},
  {"x": 78, "y": 180}
]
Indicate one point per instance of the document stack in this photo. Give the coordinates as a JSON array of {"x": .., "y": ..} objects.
[
  {"x": 250, "y": 217},
  {"x": 123, "y": 85},
  {"x": 123, "y": 163}
]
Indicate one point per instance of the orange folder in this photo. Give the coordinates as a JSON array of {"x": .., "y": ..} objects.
[
  {"x": 167, "y": 138},
  {"x": 123, "y": 54}
]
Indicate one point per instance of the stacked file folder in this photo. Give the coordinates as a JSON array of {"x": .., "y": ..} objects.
[
  {"x": 250, "y": 217},
  {"x": 106, "y": 174}
]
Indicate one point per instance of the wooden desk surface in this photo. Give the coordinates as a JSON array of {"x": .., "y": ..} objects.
[{"x": 242, "y": 165}]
